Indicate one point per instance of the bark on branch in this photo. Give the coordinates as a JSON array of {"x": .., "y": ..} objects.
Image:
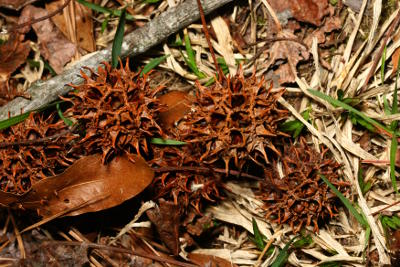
[{"x": 138, "y": 41}]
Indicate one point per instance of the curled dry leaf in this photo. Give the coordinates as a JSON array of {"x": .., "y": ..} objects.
[
  {"x": 12, "y": 54},
  {"x": 311, "y": 11},
  {"x": 209, "y": 260},
  {"x": 289, "y": 50},
  {"x": 178, "y": 105},
  {"x": 52, "y": 43},
  {"x": 89, "y": 182},
  {"x": 166, "y": 219},
  {"x": 83, "y": 22}
]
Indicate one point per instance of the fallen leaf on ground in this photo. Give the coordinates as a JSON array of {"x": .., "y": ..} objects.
[
  {"x": 86, "y": 181},
  {"x": 53, "y": 45},
  {"x": 83, "y": 22},
  {"x": 291, "y": 51},
  {"x": 311, "y": 11},
  {"x": 13, "y": 53},
  {"x": 166, "y": 218},
  {"x": 209, "y": 260},
  {"x": 330, "y": 24},
  {"x": 178, "y": 105},
  {"x": 15, "y": 4}
]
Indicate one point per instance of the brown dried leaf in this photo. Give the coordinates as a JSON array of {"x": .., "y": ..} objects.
[
  {"x": 15, "y": 4},
  {"x": 178, "y": 105},
  {"x": 53, "y": 45},
  {"x": 87, "y": 180},
  {"x": 83, "y": 22},
  {"x": 12, "y": 54},
  {"x": 312, "y": 11},
  {"x": 209, "y": 260},
  {"x": 166, "y": 219},
  {"x": 330, "y": 24},
  {"x": 291, "y": 51}
]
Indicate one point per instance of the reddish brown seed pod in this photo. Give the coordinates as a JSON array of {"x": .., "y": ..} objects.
[
  {"x": 235, "y": 121},
  {"x": 117, "y": 109},
  {"x": 186, "y": 187},
  {"x": 301, "y": 198},
  {"x": 24, "y": 164}
]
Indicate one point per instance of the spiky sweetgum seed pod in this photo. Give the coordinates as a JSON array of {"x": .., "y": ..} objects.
[
  {"x": 235, "y": 120},
  {"x": 187, "y": 188},
  {"x": 117, "y": 109},
  {"x": 301, "y": 198},
  {"x": 24, "y": 165}
]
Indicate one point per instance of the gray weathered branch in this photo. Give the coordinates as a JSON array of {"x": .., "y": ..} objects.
[{"x": 138, "y": 41}]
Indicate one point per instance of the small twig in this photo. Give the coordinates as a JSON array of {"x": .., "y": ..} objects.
[
  {"x": 29, "y": 23},
  {"x": 205, "y": 169},
  {"x": 379, "y": 54},
  {"x": 47, "y": 139},
  {"x": 206, "y": 33},
  {"x": 385, "y": 208},
  {"x": 267, "y": 246},
  {"x": 120, "y": 250}
]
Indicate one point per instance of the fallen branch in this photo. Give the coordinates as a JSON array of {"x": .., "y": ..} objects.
[{"x": 138, "y": 41}]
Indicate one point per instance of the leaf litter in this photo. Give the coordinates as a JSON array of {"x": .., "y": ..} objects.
[{"x": 279, "y": 39}]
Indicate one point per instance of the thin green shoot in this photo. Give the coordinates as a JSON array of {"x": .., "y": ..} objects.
[
  {"x": 152, "y": 64},
  {"x": 345, "y": 202},
  {"x": 166, "y": 142},
  {"x": 101, "y": 9},
  {"x": 258, "y": 238},
  {"x": 283, "y": 255},
  {"x": 337, "y": 103},
  {"x": 118, "y": 39},
  {"x": 61, "y": 115},
  {"x": 191, "y": 58},
  {"x": 296, "y": 126}
]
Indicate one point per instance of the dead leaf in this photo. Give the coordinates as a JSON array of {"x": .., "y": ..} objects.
[
  {"x": 178, "y": 105},
  {"x": 166, "y": 219},
  {"x": 12, "y": 54},
  {"x": 291, "y": 51},
  {"x": 330, "y": 24},
  {"x": 53, "y": 45},
  {"x": 311, "y": 11},
  {"x": 209, "y": 260},
  {"x": 15, "y": 4},
  {"x": 83, "y": 22},
  {"x": 200, "y": 226},
  {"x": 86, "y": 180}
]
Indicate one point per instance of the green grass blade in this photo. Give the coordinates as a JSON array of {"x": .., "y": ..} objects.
[
  {"x": 258, "y": 239},
  {"x": 118, "y": 39},
  {"x": 338, "y": 103},
  {"x": 152, "y": 64},
  {"x": 104, "y": 24},
  {"x": 283, "y": 255},
  {"x": 13, "y": 120},
  {"x": 19, "y": 118},
  {"x": 303, "y": 242},
  {"x": 393, "y": 150},
  {"x": 383, "y": 65},
  {"x": 191, "y": 58},
  {"x": 167, "y": 142},
  {"x": 104, "y": 10},
  {"x": 345, "y": 202},
  {"x": 66, "y": 120},
  {"x": 386, "y": 105}
]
